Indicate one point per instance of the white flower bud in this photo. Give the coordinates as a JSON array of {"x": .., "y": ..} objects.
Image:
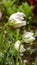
[
  {"x": 17, "y": 44},
  {"x": 17, "y": 19},
  {"x": 22, "y": 49},
  {"x": 28, "y": 37}
]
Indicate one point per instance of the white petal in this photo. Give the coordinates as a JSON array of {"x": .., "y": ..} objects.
[
  {"x": 28, "y": 34},
  {"x": 20, "y": 14},
  {"x": 22, "y": 49},
  {"x": 32, "y": 38},
  {"x": 16, "y": 16},
  {"x": 12, "y": 17},
  {"x": 17, "y": 44},
  {"x": 20, "y": 23},
  {"x": 29, "y": 40},
  {"x": 28, "y": 37}
]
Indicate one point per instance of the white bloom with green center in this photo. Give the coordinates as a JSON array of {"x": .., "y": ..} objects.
[
  {"x": 28, "y": 37},
  {"x": 17, "y": 19}
]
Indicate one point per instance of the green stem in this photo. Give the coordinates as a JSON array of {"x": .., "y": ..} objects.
[
  {"x": 18, "y": 52},
  {"x": 17, "y": 57},
  {"x": 2, "y": 33}
]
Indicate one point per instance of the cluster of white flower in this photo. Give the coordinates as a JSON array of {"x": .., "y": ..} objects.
[
  {"x": 28, "y": 37},
  {"x": 17, "y": 19}
]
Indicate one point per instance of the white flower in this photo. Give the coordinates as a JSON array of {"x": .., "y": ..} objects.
[
  {"x": 17, "y": 16},
  {"x": 22, "y": 49},
  {"x": 28, "y": 37},
  {"x": 17, "y": 44},
  {"x": 17, "y": 19},
  {"x": 25, "y": 61}
]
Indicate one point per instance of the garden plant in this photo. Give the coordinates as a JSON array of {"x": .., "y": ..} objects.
[{"x": 18, "y": 32}]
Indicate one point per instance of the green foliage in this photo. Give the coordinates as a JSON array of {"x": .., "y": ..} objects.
[
  {"x": 35, "y": 33},
  {"x": 9, "y": 7},
  {"x": 35, "y": 61},
  {"x": 26, "y": 9}
]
